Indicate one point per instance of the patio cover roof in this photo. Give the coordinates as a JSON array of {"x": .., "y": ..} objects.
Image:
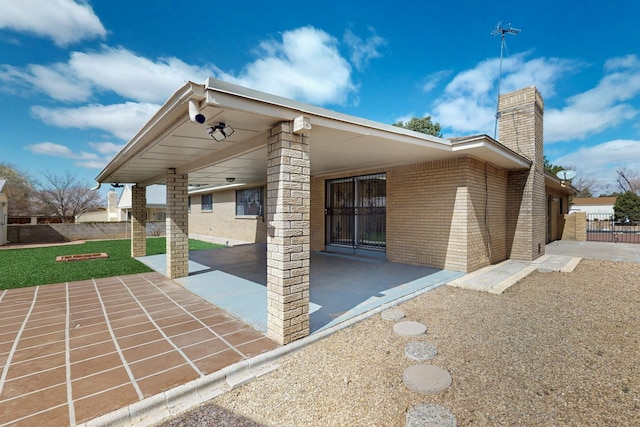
[{"x": 338, "y": 142}]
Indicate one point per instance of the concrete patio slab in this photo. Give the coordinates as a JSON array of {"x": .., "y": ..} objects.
[
  {"x": 498, "y": 278},
  {"x": 235, "y": 279},
  {"x": 626, "y": 252}
]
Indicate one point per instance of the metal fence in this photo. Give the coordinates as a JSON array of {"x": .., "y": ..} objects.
[{"x": 605, "y": 228}]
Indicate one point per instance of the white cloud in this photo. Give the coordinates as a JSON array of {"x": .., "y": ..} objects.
[
  {"x": 601, "y": 161},
  {"x": 134, "y": 77},
  {"x": 466, "y": 115},
  {"x": 599, "y": 108},
  {"x": 116, "y": 70},
  {"x": 362, "y": 51},
  {"x": 120, "y": 120},
  {"x": 306, "y": 65},
  {"x": 56, "y": 81},
  {"x": 64, "y": 21},
  {"x": 469, "y": 101},
  {"x": 108, "y": 148},
  {"x": 84, "y": 159},
  {"x": 433, "y": 79}
]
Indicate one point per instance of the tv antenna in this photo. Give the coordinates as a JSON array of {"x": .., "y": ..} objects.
[{"x": 501, "y": 31}]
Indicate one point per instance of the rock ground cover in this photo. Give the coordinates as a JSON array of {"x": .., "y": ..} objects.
[{"x": 554, "y": 349}]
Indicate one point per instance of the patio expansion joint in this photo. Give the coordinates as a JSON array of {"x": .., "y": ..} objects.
[
  {"x": 36, "y": 413},
  {"x": 5, "y": 369},
  {"x": 209, "y": 328},
  {"x": 117, "y": 345},
  {"x": 159, "y": 328}
]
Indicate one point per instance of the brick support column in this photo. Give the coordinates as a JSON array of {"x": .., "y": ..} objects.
[
  {"x": 177, "y": 225},
  {"x": 521, "y": 130},
  {"x": 288, "y": 236},
  {"x": 138, "y": 221}
]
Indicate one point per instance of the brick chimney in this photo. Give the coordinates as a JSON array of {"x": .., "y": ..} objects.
[{"x": 520, "y": 124}]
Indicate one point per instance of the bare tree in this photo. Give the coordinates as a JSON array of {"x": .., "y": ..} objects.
[
  {"x": 585, "y": 185},
  {"x": 20, "y": 190},
  {"x": 63, "y": 197},
  {"x": 628, "y": 180}
]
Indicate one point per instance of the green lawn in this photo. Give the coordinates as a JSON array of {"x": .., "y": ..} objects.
[{"x": 37, "y": 266}]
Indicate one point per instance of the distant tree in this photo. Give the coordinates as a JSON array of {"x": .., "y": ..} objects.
[
  {"x": 63, "y": 197},
  {"x": 628, "y": 180},
  {"x": 614, "y": 194},
  {"x": 585, "y": 185},
  {"x": 422, "y": 125},
  {"x": 627, "y": 206},
  {"x": 552, "y": 169},
  {"x": 19, "y": 191},
  {"x": 584, "y": 192}
]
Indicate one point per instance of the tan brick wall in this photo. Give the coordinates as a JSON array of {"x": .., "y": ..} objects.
[
  {"x": 575, "y": 227},
  {"x": 222, "y": 221},
  {"x": 317, "y": 230},
  {"x": 288, "y": 235},
  {"x": 521, "y": 130},
  {"x": 177, "y": 233},
  {"x": 581, "y": 226},
  {"x": 436, "y": 214},
  {"x": 431, "y": 218},
  {"x": 487, "y": 214},
  {"x": 138, "y": 221},
  {"x": 569, "y": 231}
]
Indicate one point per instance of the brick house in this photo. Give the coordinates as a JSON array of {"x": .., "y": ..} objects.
[{"x": 303, "y": 178}]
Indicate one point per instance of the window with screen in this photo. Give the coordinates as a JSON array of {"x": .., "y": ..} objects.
[
  {"x": 207, "y": 202},
  {"x": 249, "y": 202}
]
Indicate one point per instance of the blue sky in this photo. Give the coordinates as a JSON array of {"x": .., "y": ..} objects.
[{"x": 79, "y": 78}]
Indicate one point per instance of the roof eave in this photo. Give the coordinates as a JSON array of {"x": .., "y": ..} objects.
[
  {"x": 322, "y": 116},
  {"x": 477, "y": 144},
  {"x": 145, "y": 136}
]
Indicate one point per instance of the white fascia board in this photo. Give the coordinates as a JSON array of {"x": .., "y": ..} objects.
[{"x": 483, "y": 142}]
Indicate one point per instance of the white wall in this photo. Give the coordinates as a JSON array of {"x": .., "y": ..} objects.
[{"x": 593, "y": 209}]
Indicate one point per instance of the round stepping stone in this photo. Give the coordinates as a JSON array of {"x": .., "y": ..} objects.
[
  {"x": 420, "y": 350},
  {"x": 427, "y": 414},
  {"x": 393, "y": 314},
  {"x": 409, "y": 328},
  {"x": 426, "y": 379}
]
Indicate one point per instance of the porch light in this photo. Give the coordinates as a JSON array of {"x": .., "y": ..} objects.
[
  {"x": 220, "y": 132},
  {"x": 230, "y": 179}
]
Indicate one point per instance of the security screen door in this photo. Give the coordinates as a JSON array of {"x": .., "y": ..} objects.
[{"x": 355, "y": 211}]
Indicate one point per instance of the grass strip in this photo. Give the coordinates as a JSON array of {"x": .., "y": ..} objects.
[{"x": 37, "y": 266}]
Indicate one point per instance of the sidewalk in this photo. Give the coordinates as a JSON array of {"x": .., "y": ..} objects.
[{"x": 497, "y": 278}]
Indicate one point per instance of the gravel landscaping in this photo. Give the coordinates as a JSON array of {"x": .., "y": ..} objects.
[{"x": 554, "y": 349}]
